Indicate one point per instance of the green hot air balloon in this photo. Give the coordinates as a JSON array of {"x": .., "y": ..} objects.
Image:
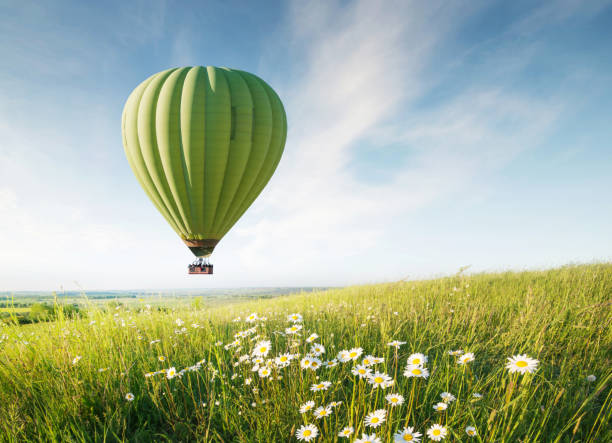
[{"x": 203, "y": 142}]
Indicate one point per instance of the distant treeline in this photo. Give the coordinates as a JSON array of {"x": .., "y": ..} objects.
[{"x": 40, "y": 312}]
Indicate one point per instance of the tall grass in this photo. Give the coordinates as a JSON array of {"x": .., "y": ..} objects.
[{"x": 560, "y": 317}]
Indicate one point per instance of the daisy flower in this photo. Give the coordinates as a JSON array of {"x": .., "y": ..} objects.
[
  {"x": 294, "y": 329},
  {"x": 379, "y": 379},
  {"x": 317, "y": 349},
  {"x": 343, "y": 356},
  {"x": 456, "y": 353},
  {"x": 315, "y": 364},
  {"x": 312, "y": 338},
  {"x": 466, "y": 358},
  {"x": 323, "y": 386},
  {"x": 440, "y": 406},
  {"x": 251, "y": 318},
  {"x": 447, "y": 397},
  {"x": 346, "y": 432},
  {"x": 161, "y": 358},
  {"x": 437, "y": 432},
  {"x": 396, "y": 344},
  {"x": 355, "y": 353},
  {"x": 591, "y": 378},
  {"x": 417, "y": 359},
  {"x": 407, "y": 434},
  {"x": 368, "y": 360},
  {"x": 395, "y": 399},
  {"x": 416, "y": 371},
  {"x": 477, "y": 395},
  {"x": 522, "y": 364},
  {"x": 129, "y": 396},
  {"x": 76, "y": 359},
  {"x": 377, "y": 360},
  {"x": 307, "y": 407},
  {"x": 305, "y": 362},
  {"x": 264, "y": 372},
  {"x": 365, "y": 438},
  {"x": 471, "y": 431},
  {"x": 283, "y": 360},
  {"x": 331, "y": 363},
  {"x": 295, "y": 318},
  {"x": 171, "y": 372},
  {"x": 307, "y": 433},
  {"x": 322, "y": 412},
  {"x": 262, "y": 348},
  {"x": 376, "y": 418},
  {"x": 361, "y": 371}
]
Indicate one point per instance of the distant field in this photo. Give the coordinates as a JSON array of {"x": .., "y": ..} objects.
[
  {"x": 111, "y": 376},
  {"x": 16, "y": 310}
]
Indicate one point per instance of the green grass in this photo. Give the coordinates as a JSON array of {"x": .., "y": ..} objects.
[{"x": 560, "y": 317}]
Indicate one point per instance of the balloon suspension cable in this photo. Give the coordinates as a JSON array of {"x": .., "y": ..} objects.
[{"x": 201, "y": 265}]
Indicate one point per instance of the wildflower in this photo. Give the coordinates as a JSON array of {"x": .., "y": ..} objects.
[
  {"x": 171, "y": 373},
  {"x": 522, "y": 364},
  {"x": 440, "y": 406},
  {"x": 377, "y": 360},
  {"x": 264, "y": 372},
  {"x": 361, "y": 371},
  {"x": 437, "y": 432},
  {"x": 307, "y": 407},
  {"x": 355, "y": 353},
  {"x": 317, "y": 349},
  {"x": 407, "y": 434},
  {"x": 331, "y": 363},
  {"x": 322, "y": 412},
  {"x": 102, "y": 369},
  {"x": 368, "y": 360},
  {"x": 315, "y": 364},
  {"x": 293, "y": 329},
  {"x": 591, "y": 378},
  {"x": 305, "y": 362},
  {"x": 323, "y": 386},
  {"x": 343, "y": 356},
  {"x": 395, "y": 399},
  {"x": 417, "y": 359},
  {"x": 161, "y": 358},
  {"x": 295, "y": 318},
  {"x": 396, "y": 344},
  {"x": 456, "y": 353},
  {"x": 307, "y": 433},
  {"x": 477, "y": 395},
  {"x": 129, "y": 396},
  {"x": 376, "y": 418},
  {"x": 251, "y": 318},
  {"x": 365, "y": 438},
  {"x": 247, "y": 381},
  {"x": 179, "y": 322},
  {"x": 447, "y": 397},
  {"x": 466, "y": 358},
  {"x": 312, "y": 338},
  {"x": 471, "y": 431},
  {"x": 416, "y": 371},
  {"x": 346, "y": 432},
  {"x": 283, "y": 360},
  {"x": 262, "y": 348},
  {"x": 379, "y": 379},
  {"x": 76, "y": 359},
  {"x": 334, "y": 404}
]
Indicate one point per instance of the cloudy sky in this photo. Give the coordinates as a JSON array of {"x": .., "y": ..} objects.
[{"x": 423, "y": 136}]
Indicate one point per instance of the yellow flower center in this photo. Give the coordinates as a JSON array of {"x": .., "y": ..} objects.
[
  {"x": 407, "y": 437},
  {"x": 470, "y": 432},
  {"x": 321, "y": 386},
  {"x": 378, "y": 380},
  {"x": 366, "y": 362},
  {"x": 416, "y": 361},
  {"x": 440, "y": 408},
  {"x": 394, "y": 400},
  {"x": 283, "y": 359},
  {"x": 416, "y": 371},
  {"x": 353, "y": 354},
  {"x": 263, "y": 349},
  {"x": 436, "y": 432},
  {"x": 374, "y": 420},
  {"x": 307, "y": 433},
  {"x": 362, "y": 371},
  {"x": 521, "y": 364}
]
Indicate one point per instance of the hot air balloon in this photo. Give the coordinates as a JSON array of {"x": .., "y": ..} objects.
[{"x": 203, "y": 142}]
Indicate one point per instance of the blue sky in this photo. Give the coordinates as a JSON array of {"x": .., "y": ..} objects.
[{"x": 423, "y": 136}]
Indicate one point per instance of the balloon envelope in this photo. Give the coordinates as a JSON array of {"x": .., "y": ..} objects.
[{"x": 203, "y": 142}]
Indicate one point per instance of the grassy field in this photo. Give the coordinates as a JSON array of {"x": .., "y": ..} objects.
[{"x": 102, "y": 378}]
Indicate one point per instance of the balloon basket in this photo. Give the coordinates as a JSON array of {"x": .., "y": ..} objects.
[{"x": 200, "y": 266}]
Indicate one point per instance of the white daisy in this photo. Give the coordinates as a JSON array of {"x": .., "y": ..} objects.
[
  {"x": 315, "y": 364},
  {"x": 346, "y": 432},
  {"x": 322, "y": 412},
  {"x": 522, "y": 364},
  {"x": 307, "y": 433},
  {"x": 407, "y": 434},
  {"x": 251, "y": 318},
  {"x": 471, "y": 431},
  {"x": 264, "y": 372},
  {"x": 171, "y": 372},
  {"x": 591, "y": 378},
  {"x": 312, "y": 338},
  {"x": 380, "y": 379},
  {"x": 440, "y": 406},
  {"x": 262, "y": 348},
  {"x": 417, "y": 359},
  {"x": 447, "y": 397},
  {"x": 129, "y": 396},
  {"x": 437, "y": 432},
  {"x": 283, "y": 360},
  {"x": 295, "y": 318},
  {"x": 395, "y": 399},
  {"x": 355, "y": 353},
  {"x": 368, "y": 360},
  {"x": 331, "y": 363},
  {"x": 307, "y": 407},
  {"x": 317, "y": 349},
  {"x": 293, "y": 329},
  {"x": 466, "y": 358},
  {"x": 323, "y": 386},
  {"x": 416, "y": 371},
  {"x": 76, "y": 359},
  {"x": 477, "y": 395},
  {"x": 376, "y": 418},
  {"x": 456, "y": 353},
  {"x": 361, "y": 371},
  {"x": 343, "y": 356},
  {"x": 305, "y": 362},
  {"x": 365, "y": 438},
  {"x": 396, "y": 344}
]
